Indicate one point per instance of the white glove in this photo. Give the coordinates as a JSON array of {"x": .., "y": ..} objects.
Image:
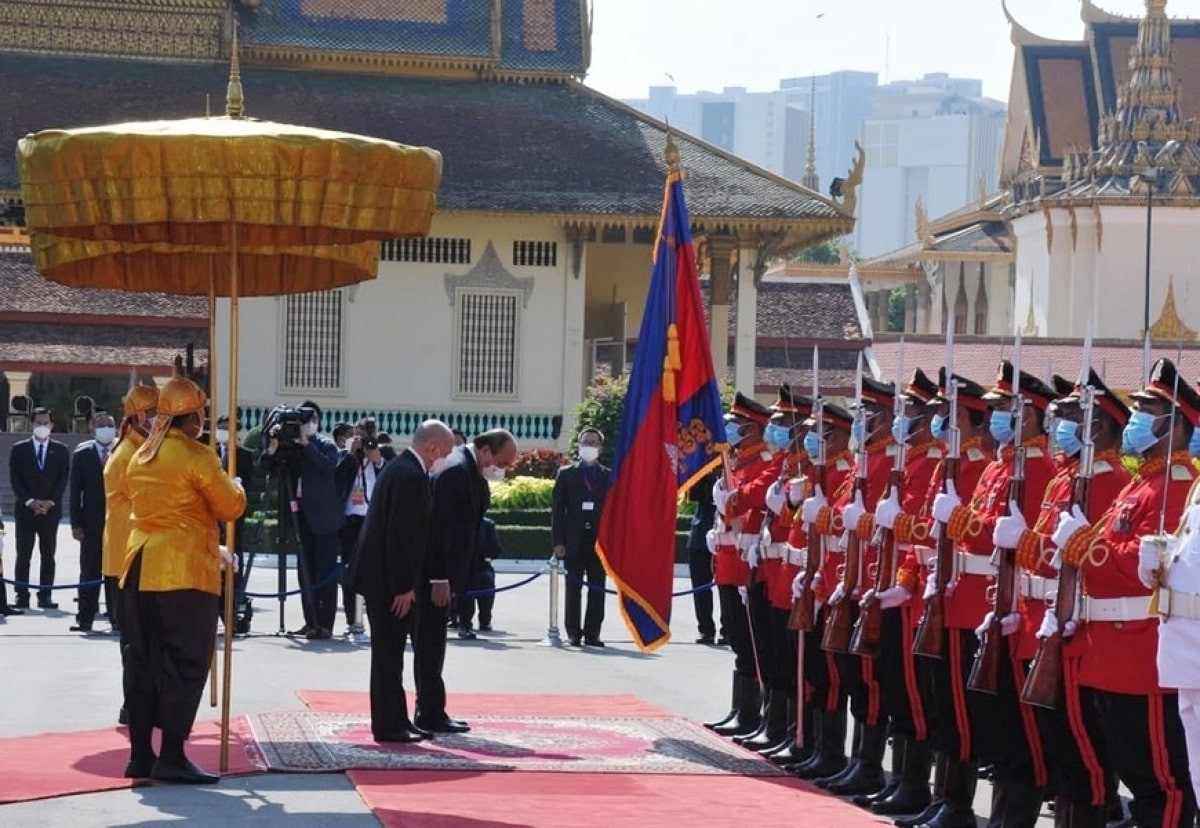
[
  {"x": 893, "y": 597},
  {"x": 776, "y": 497},
  {"x": 888, "y": 510},
  {"x": 744, "y": 594},
  {"x": 1068, "y": 524},
  {"x": 795, "y": 490},
  {"x": 798, "y": 585},
  {"x": 839, "y": 592},
  {"x": 812, "y": 508},
  {"x": 710, "y": 540},
  {"x": 1009, "y": 528},
  {"x": 237, "y": 481},
  {"x": 944, "y": 505},
  {"x": 1149, "y": 561},
  {"x": 721, "y": 496},
  {"x": 930, "y": 587},
  {"x": 1049, "y": 626},
  {"x": 227, "y": 559},
  {"x": 1010, "y": 623},
  {"x": 817, "y": 581},
  {"x": 752, "y": 555},
  {"x": 852, "y": 511},
  {"x": 983, "y": 628}
]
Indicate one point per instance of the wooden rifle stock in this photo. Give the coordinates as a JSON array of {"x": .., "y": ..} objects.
[
  {"x": 985, "y": 672},
  {"x": 930, "y": 640},
  {"x": 804, "y": 608},
  {"x": 869, "y": 629},
  {"x": 839, "y": 625}
]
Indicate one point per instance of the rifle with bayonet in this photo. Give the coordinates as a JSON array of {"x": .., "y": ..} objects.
[{"x": 804, "y": 608}]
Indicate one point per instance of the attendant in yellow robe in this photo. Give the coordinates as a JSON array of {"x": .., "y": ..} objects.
[{"x": 171, "y": 578}]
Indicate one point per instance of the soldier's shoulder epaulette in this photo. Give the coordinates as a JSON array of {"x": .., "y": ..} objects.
[
  {"x": 934, "y": 452},
  {"x": 766, "y": 455},
  {"x": 842, "y": 464},
  {"x": 1034, "y": 451},
  {"x": 1101, "y": 467},
  {"x": 975, "y": 455},
  {"x": 1181, "y": 472},
  {"x": 893, "y": 449}
]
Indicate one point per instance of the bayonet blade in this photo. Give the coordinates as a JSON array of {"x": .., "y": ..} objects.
[
  {"x": 1085, "y": 372},
  {"x": 816, "y": 369}
]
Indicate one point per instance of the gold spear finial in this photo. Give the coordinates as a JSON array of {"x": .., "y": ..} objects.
[
  {"x": 672, "y": 151},
  {"x": 235, "y": 102}
]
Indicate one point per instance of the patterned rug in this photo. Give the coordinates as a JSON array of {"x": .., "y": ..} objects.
[{"x": 322, "y": 742}]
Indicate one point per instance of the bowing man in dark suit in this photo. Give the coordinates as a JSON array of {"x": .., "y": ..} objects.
[
  {"x": 389, "y": 571},
  {"x": 460, "y": 498},
  {"x": 579, "y": 492},
  {"x": 87, "y": 514},
  {"x": 38, "y": 469}
]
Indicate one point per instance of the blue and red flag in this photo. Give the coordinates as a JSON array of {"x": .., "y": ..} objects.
[{"x": 672, "y": 431}]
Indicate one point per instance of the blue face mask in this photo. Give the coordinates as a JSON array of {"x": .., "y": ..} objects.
[
  {"x": 1194, "y": 443},
  {"x": 858, "y": 434},
  {"x": 778, "y": 436},
  {"x": 902, "y": 428},
  {"x": 939, "y": 428},
  {"x": 1138, "y": 436},
  {"x": 1001, "y": 427},
  {"x": 733, "y": 434},
  {"x": 1066, "y": 435},
  {"x": 812, "y": 444}
]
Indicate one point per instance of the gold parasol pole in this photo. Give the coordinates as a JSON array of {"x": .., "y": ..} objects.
[
  {"x": 212, "y": 431},
  {"x": 230, "y": 527}
]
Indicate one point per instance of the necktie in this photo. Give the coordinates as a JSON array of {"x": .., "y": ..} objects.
[
  {"x": 103, "y": 455},
  {"x": 41, "y": 457}
]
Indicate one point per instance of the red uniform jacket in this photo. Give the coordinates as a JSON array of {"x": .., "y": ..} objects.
[
  {"x": 1121, "y": 655},
  {"x": 838, "y": 469},
  {"x": 754, "y": 470},
  {"x": 920, "y": 465},
  {"x": 778, "y": 573},
  {"x": 879, "y": 465}
]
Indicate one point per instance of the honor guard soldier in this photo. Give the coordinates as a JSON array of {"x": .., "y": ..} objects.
[
  {"x": 850, "y": 521},
  {"x": 1003, "y": 731},
  {"x": 825, "y": 695},
  {"x": 1137, "y": 715},
  {"x": 1082, "y": 787},
  {"x": 740, "y": 499}
]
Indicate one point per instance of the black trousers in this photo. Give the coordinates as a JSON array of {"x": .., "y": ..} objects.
[
  {"x": 967, "y": 721},
  {"x": 167, "y": 641},
  {"x": 1020, "y": 756},
  {"x": 1075, "y": 755},
  {"x": 389, "y": 636},
  {"x": 348, "y": 546},
  {"x": 429, "y": 658},
  {"x": 584, "y": 562},
  {"x": 898, "y": 679},
  {"x": 737, "y": 630},
  {"x": 113, "y": 601},
  {"x": 91, "y": 556},
  {"x": 783, "y": 650},
  {"x": 482, "y": 580},
  {"x": 858, "y": 677},
  {"x": 701, "y": 571},
  {"x": 320, "y": 558},
  {"x": 1149, "y": 753},
  {"x": 825, "y": 689},
  {"x": 44, "y": 530}
]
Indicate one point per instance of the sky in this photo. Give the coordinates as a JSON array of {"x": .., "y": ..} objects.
[{"x": 699, "y": 45}]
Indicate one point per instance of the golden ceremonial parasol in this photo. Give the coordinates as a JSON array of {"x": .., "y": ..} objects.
[{"x": 226, "y": 206}]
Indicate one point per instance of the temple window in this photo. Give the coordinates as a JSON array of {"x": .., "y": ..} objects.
[
  {"x": 314, "y": 342},
  {"x": 981, "y": 305},
  {"x": 487, "y": 329},
  {"x": 535, "y": 254},
  {"x": 428, "y": 250},
  {"x": 960, "y": 305}
]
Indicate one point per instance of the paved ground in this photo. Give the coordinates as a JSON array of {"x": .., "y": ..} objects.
[{"x": 56, "y": 680}]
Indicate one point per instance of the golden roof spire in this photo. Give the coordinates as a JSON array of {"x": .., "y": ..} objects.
[
  {"x": 810, "y": 179},
  {"x": 1169, "y": 326},
  {"x": 235, "y": 102}
]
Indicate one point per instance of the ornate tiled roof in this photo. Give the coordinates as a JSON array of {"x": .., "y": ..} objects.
[
  {"x": 97, "y": 346},
  {"x": 553, "y": 148},
  {"x": 986, "y": 237},
  {"x": 806, "y": 311}
]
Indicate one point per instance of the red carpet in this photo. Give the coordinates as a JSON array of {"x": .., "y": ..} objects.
[
  {"x": 61, "y": 764},
  {"x": 462, "y": 705}
]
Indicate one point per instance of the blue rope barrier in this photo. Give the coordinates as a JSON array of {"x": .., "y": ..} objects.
[
  {"x": 25, "y": 585},
  {"x": 476, "y": 593},
  {"x": 596, "y": 587}
]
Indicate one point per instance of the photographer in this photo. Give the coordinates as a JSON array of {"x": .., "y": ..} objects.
[
  {"x": 358, "y": 466},
  {"x": 306, "y": 461},
  {"x": 368, "y": 430}
]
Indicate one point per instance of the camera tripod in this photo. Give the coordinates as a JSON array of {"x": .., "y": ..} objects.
[{"x": 286, "y": 489}]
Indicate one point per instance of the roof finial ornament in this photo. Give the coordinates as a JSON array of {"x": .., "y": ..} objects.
[
  {"x": 672, "y": 151},
  {"x": 811, "y": 180},
  {"x": 235, "y": 102}
]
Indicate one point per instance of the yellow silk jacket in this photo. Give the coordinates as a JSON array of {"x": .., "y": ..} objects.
[
  {"x": 116, "y": 503},
  {"x": 178, "y": 498}
]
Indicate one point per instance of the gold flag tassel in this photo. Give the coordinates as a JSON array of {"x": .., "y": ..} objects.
[
  {"x": 673, "y": 360},
  {"x": 668, "y": 383}
]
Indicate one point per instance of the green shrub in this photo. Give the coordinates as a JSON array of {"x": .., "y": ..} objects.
[
  {"x": 522, "y": 493},
  {"x": 519, "y": 517}
]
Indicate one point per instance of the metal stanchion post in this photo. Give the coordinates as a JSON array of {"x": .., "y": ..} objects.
[{"x": 553, "y": 639}]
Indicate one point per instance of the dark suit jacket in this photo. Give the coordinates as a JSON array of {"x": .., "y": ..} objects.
[
  {"x": 571, "y": 525},
  {"x": 245, "y": 470},
  {"x": 86, "y": 490},
  {"x": 487, "y": 546},
  {"x": 460, "y": 499},
  {"x": 49, "y": 483},
  {"x": 706, "y": 513},
  {"x": 322, "y": 509},
  {"x": 395, "y": 535}
]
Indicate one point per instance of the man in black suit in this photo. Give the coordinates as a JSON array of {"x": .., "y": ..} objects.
[
  {"x": 245, "y": 472},
  {"x": 483, "y": 581},
  {"x": 700, "y": 560},
  {"x": 389, "y": 569},
  {"x": 578, "y": 499},
  {"x": 38, "y": 469},
  {"x": 460, "y": 499},
  {"x": 87, "y": 513}
]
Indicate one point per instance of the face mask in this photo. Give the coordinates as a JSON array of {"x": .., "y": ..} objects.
[
  {"x": 310, "y": 429},
  {"x": 1066, "y": 434},
  {"x": 41, "y": 432},
  {"x": 939, "y": 428},
  {"x": 222, "y": 435},
  {"x": 902, "y": 427},
  {"x": 1001, "y": 427},
  {"x": 858, "y": 434},
  {"x": 812, "y": 444},
  {"x": 589, "y": 454},
  {"x": 1194, "y": 443},
  {"x": 105, "y": 435},
  {"x": 493, "y": 473},
  {"x": 778, "y": 436},
  {"x": 436, "y": 466},
  {"x": 1138, "y": 436},
  {"x": 733, "y": 434}
]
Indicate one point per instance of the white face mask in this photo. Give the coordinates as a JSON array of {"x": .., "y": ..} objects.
[
  {"x": 437, "y": 466},
  {"x": 41, "y": 432},
  {"x": 105, "y": 435},
  {"x": 310, "y": 429},
  {"x": 589, "y": 454},
  {"x": 493, "y": 473},
  {"x": 222, "y": 435}
]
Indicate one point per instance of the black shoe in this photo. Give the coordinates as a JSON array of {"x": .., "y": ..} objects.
[
  {"x": 302, "y": 632},
  {"x": 466, "y": 634},
  {"x": 485, "y": 627},
  {"x": 47, "y": 604},
  {"x": 318, "y": 634},
  {"x": 22, "y": 602},
  {"x": 408, "y": 735},
  {"x": 576, "y": 641},
  {"x": 123, "y": 716},
  {"x": 593, "y": 642},
  {"x": 82, "y": 626},
  {"x": 182, "y": 773},
  {"x": 140, "y": 768},
  {"x": 446, "y": 725},
  {"x": 707, "y": 640},
  {"x": 722, "y": 642},
  {"x": 6, "y": 610}
]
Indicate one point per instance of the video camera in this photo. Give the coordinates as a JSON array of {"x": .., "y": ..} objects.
[{"x": 284, "y": 424}]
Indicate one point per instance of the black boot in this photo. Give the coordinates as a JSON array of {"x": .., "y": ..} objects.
[
  {"x": 829, "y": 756},
  {"x": 141, "y": 750},
  {"x": 775, "y": 723},
  {"x": 733, "y": 704},
  {"x": 760, "y": 728},
  {"x": 1114, "y": 807},
  {"x": 1069, "y": 814},
  {"x": 868, "y": 776},
  {"x": 174, "y": 766},
  {"x": 899, "y": 748},
  {"x": 788, "y": 753},
  {"x": 912, "y": 794},
  {"x": 1019, "y": 803},
  {"x": 851, "y": 761},
  {"x": 939, "y": 796},
  {"x": 957, "y": 809},
  {"x": 749, "y": 713}
]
